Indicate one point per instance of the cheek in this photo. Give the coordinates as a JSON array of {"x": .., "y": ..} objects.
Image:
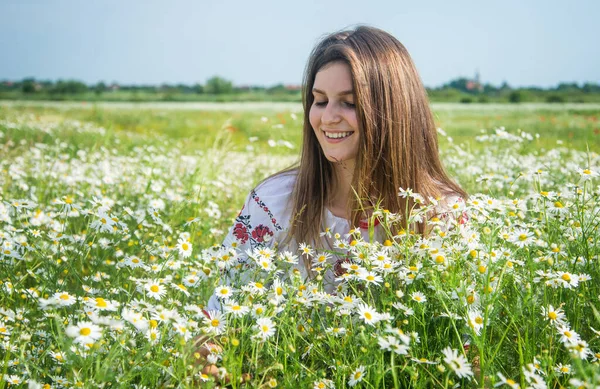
[{"x": 353, "y": 121}]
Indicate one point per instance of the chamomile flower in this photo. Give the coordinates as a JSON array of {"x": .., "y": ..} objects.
[
  {"x": 392, "y": 343},
  {"x": 521, "y": 237},
  {"x": 224, "y": 291},
  {"x": 458, "y": 363},
  {"x": 64, "y": 299},
  {"x": 418, "y": 297},
  {"x": 155, "y": 289},
  {"x": 153, "y": 335},
  {"x": 587, "y": 174},
  {"x": 184, "y": 247},
  {"x": 370, "y": 278},
  {"x": 507, "y": 381},
  {"x": 562, "y": 369},
  {"x": 323, "y": 384},
  {"x": 236, "y": 309},
  {"x": 567, "y": 335},
  {"x": 475, "y": 321},
  {"x": 214, "y": 322},
  {"x": 356, "y": 376},
  {"x": 84, "y": 332},
  {"x": 336, "y": 331},
  {"x": 555, "y": 316},
  {"x": 368, "y": 314},
  {"x": 265, "y": 328}
]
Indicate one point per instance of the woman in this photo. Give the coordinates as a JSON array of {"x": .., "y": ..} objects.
[{"x": 368, "y": 131}]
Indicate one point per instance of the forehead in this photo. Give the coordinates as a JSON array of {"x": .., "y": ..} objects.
[{"x": 334, "y": 77}]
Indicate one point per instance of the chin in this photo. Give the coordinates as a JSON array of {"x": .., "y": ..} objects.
[{"x": 341, "y": 159}]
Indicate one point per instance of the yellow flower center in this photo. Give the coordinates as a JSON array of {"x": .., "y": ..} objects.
[
  {"x": 552, "y": 315},
  {"x": 85, "y": 331},
  {"x": 154, "y": 288},
  {"x": 215, "y": 322}
]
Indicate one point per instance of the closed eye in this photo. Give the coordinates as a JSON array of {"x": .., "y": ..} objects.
[{"x": 320, "y": 103}]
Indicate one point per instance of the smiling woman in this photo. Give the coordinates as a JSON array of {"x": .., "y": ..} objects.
[{"x": 368, "y": 131}]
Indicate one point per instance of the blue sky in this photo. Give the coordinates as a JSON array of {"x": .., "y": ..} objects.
[{"x": 259, "y": 42}]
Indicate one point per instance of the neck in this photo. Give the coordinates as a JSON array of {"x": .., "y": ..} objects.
[{"x": 338, "y": 202}]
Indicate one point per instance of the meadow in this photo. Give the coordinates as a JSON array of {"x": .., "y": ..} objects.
[{"x": 112, "y": 218}]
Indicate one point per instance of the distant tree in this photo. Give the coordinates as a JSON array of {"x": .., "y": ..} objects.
[
  {"x": 555, "y": 99},
  {"x": 198, "y": 88},
  {"x": 279, "y": 88},
  {"x": 568, "y": 86},
  {"x": 68, "y": 87},
  {"x": 590, "y": 87},
  {"x": 100, "y": 88},
  {"x": 217, "y": 85},
  {"x": 515, "y": 96},
  {"x": 28, "y": 85},
  {"x": 459, "y": 83}
]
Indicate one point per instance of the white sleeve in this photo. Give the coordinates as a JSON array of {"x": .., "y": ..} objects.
[{"x": 256, "y": 226}]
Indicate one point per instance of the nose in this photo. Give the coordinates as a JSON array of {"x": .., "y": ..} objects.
[{"x": 331, "y": 114}]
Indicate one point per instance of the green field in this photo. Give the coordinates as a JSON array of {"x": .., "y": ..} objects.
[{"x": 112, "y": 216}]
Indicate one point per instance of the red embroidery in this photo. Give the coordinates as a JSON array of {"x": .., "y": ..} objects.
[
  {"x": 258, "y": 234},
  {"x": 264, "y": 207},
  {"x": 241, "y": 232}
]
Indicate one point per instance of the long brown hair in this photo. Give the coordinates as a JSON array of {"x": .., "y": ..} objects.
[{"x": 398, "y": 144}]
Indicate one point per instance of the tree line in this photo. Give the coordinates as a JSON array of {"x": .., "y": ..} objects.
[{"x": 220, "y": 89}]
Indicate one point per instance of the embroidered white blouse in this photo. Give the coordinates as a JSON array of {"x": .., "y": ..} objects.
[{"x": 265, "y": 218}]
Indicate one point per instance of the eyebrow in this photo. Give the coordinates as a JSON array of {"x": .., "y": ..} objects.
[{"x": 346, "y": 92}]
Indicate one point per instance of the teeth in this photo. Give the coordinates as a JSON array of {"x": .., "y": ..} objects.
[{"x": 337, "y": 135}]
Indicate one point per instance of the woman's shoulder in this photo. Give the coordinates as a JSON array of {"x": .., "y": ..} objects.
[
  {"x": 279, "y": 184},
  {"x": 271, "y": 200}
]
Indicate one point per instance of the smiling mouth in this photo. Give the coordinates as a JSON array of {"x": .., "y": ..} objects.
[{"x": 337, "y": 135}]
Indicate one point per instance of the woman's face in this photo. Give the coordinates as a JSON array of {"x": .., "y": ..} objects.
[{"x": 333, "y": 114}]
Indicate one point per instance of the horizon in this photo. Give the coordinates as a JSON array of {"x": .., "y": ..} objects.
[
  {"x": 239, "y": 86},
  {"x": 266, "y": 43}
]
